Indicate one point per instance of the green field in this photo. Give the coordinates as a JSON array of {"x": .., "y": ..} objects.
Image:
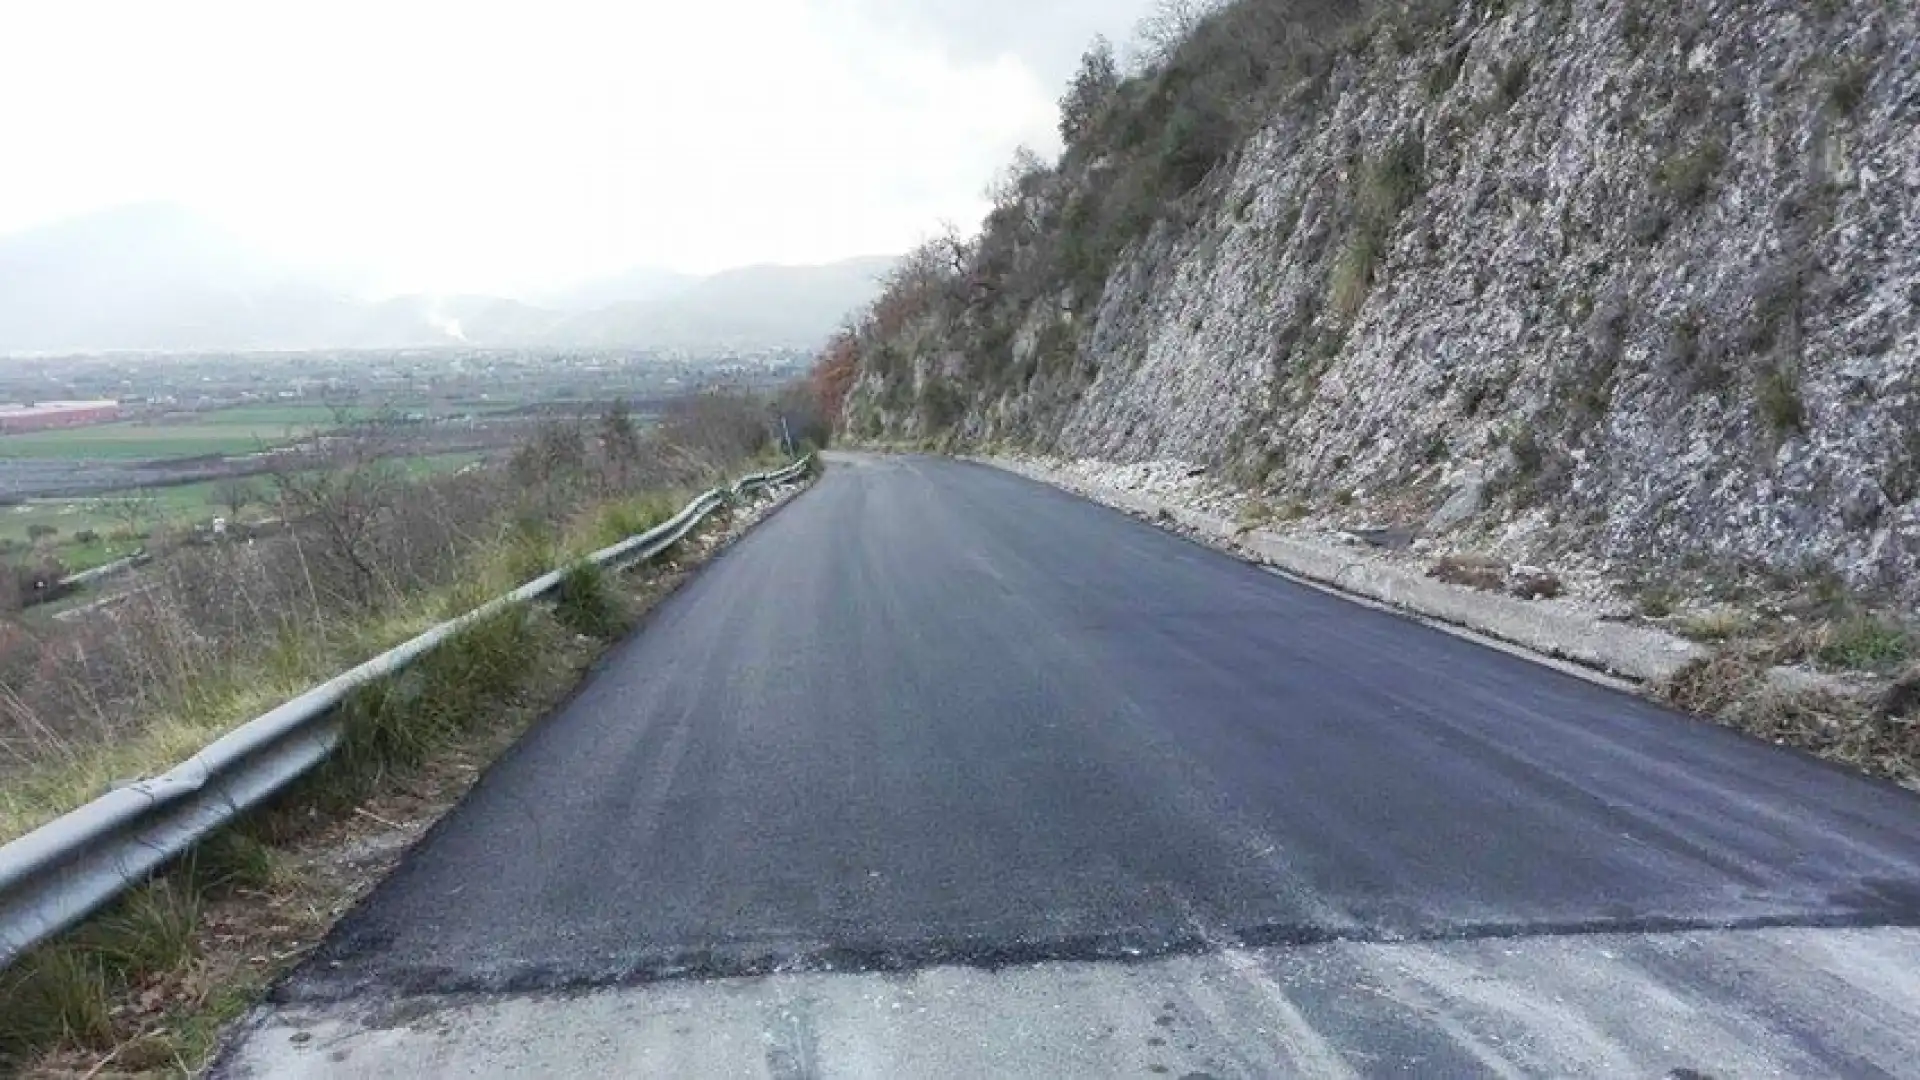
[
  {"x": 240, "y": 430},
  {"x": 179, "y": 505},
  {"x": 229, "y": 431}
]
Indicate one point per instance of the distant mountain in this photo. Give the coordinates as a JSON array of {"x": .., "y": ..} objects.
[
  {"x": 750, "y": 306},
  {"x": 442, "y": 320},
  {"x": 636, "y": 285},
  {"x": 157, "y": 277}
]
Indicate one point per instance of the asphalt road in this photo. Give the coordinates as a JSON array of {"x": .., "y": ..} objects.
[{"x": 1043, "y": 775}]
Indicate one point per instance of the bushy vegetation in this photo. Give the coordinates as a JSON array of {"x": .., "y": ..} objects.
[
  {"x": 1141, "y": 144},
  {"x": 1388, "y": 185},
  {"x": 1687, "y": 175},
  {"x": 1866, "y": 642},
  {"x": 215, "y": 633},
  {"x": 1781, "y": 406},
  {"x": 224, "y": 632}
]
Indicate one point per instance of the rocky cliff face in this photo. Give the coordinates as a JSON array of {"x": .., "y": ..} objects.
[{"x": 1639, "y": 276}]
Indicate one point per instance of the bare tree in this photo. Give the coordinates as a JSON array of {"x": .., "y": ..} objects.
[
  {"x": 620, "y": 442},
  {"x": 550, "y": 464},
  {"x": 707, "y": 432},
  {"x": 1017, "y": 179},
  {"x": 236, "y": 495},
  {"x": 1159, "y": 35},
  {"x": 952, "y": 249},
  {"x": 336, "y": 505},
  {"x": 132, "y": 512}
]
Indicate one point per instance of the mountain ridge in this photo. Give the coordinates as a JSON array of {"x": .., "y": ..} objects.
[{"x": 157, "y": 277}]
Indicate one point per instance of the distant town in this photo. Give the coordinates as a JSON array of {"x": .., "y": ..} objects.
[
  {"x": 42, "y": 392},
  {"x": 99, "y": 453}
]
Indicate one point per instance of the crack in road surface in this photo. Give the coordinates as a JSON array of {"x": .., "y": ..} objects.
[{"x": 942, "y": 772}]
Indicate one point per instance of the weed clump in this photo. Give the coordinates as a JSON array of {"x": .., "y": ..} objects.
[
  {"x": 1862, "y": 642},
  {"x": 1733, "y": 688},
  {"x": 1781, "y": 405},
  {"x": 586, "y": 603},
  {"x": 1687, "y": 177}
]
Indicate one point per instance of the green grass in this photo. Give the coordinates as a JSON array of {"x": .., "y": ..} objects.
[
  {"x": 145, "y": 440},
  {"x": 587, "y": 604},
  {"x": 239, "y": 430},
  {"x": 1866, "y": 643},
  {"x": 182, "y": 504}
]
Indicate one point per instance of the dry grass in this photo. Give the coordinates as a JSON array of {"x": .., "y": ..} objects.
[
  {"x": 240, "y": 911},
  {"x": 1733, "y": 688},
  {"x": 147, "y": 987},
  {"x": 214, "y": 635},
  {"x": 1718, "y": 625},
  {"x": 1474, "y": 571}
]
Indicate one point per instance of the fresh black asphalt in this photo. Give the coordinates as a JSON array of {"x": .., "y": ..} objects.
[{"x": 932, "y": 712}]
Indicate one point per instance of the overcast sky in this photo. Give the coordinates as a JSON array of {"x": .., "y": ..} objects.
[{"x": 511, "y": 146}]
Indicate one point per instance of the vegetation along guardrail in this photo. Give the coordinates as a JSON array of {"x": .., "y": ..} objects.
[{"x": 57, "y": 875}]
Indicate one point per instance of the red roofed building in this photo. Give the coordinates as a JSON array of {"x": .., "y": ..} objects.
[{"x": 46, "y": 415}]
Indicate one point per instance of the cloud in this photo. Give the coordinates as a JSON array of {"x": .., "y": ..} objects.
[
  {"x": 458, "y": 146},
  {"x": 1046, "y": 36}
]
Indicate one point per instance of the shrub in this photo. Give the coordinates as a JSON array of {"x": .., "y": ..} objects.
[
  {"x": 1865, "y": 643},
  {"x": 53, "y": 995},
  {"x": 396, "y": 723},
  {"x": 1090, "y": 91},
  {"x": 626, "y": 518},
  {"x": 1694, "y": 362},
  {"x": 1528, "y": 454},
  {"x": 1657, "y": 601},
  {"x": 1511, "y": 81},
  {"x": 22, "y": 585},
  {"x": 1777, "y": 293},
  {"x": 1778, "y": 393},
  {"x": 1353, "y": 274},
  {"x": 1687, "y": 177},
  {"x": 1849, "y": 86},
  {"x": 1446, "y": 73},
  {"x": 65, "y": 991},
  {"x": 1635, "y": 24},
  {"x": 234, "y": 858},
  {"x": 1388, "y": 185},
  {"x": 941, "y": 403},
  {"x": 1902, "y": 480},
  {"x": 1196, "y": 139},
  {"x": 150, "y": 929},
  {"x": 1394, "y": 181},
  {"x": 586, "y": 603}
]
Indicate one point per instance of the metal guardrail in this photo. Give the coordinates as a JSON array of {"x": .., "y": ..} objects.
[{"x": 57, "y": 875}]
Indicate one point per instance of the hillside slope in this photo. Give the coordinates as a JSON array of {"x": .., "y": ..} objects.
[{"x": 1642, "y": 277}]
